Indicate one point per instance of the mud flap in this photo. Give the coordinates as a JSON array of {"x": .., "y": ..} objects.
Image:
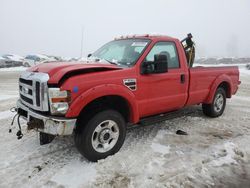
[{"x": 45, "y": 138}]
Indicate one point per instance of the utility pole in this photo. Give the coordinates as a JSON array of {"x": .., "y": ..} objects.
[{"x": 82, "y": 42}]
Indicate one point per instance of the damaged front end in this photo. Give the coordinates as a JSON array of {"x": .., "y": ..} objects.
[
  {"x": 47, "y": 124},
  {"x": 35, "y": 103}
]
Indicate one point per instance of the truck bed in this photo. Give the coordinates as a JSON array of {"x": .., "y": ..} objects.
[{"x": 201, "y": 80}]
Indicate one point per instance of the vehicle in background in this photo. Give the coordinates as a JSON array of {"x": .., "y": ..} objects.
[
  {"x": 70, "y": 59},
  {"x": 223, "y": 60},
  {"x": 248, "y": 66},
  {"x": 31, "y": 60},
  {"x": 4, "y": 62},
  {"x": 84, "y": 58},
  {"x": 54, "y": 58},
  {"x": 13, "y": 60}
]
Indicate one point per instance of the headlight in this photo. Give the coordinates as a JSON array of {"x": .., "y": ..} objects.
[{"x": 59, "y": 101}]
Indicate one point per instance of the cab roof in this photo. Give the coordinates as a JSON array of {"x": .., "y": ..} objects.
[{"x": 145, "y": 36}]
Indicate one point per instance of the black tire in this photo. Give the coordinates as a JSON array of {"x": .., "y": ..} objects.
[
  {"x": 212, "y": 110},
  {"x": 45, "y": 138},
  {"x": 85, "y": 136}
]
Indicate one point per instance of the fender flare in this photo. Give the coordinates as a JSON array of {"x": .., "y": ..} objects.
[
  {"x": 100, "y": 91},
  {"x": 220, "y": 79}
]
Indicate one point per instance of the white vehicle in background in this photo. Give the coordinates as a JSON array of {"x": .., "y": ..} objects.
[
  {"x": 13, "y": 60},
  {"x": 54, "y": 58},
  {"x": 248, "y": 66},
  {"x": 4, "y": 62},
  {"x": 32, "y": 60},
  {"x": 71, "y": 59}
]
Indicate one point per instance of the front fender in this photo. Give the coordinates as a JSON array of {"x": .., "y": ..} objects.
[
  {"x": 100, "y": 91},
  {"x": 216, "y": 83}
]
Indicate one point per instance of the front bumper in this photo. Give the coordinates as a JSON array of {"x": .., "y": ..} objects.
[{"x": 47, "y": 124}]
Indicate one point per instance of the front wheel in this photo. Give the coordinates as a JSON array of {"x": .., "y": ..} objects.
[
  {"x": 217, "y": 107},
  {"x": 101, "y": 136}
]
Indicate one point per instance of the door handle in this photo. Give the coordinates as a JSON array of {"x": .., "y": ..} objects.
[{"x": 182, "y": 78}]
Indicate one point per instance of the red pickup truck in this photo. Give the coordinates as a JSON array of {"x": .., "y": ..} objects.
[{"x": 125, "y": 82}]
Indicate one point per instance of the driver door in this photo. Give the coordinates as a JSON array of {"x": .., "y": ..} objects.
[{"x": 162, "y": 92}]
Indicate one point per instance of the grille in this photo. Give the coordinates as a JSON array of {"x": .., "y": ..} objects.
[
  {"x": 38, "y": 93},
  {"x": 28, "y": 82},
  {"x": 26, "y": 99},
  {"x": 33, "y": 90}
]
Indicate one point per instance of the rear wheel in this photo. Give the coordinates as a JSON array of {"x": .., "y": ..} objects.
[
  {"x": 101, "y": 136},
  {"x": 217, "y": 107}
]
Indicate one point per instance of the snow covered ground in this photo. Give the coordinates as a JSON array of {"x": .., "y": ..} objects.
[
  {"x": 11, "y": 69},
  {"x": 215, "y": 153}
]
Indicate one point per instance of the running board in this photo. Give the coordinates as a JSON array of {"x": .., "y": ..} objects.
[{"x": 160, "y": 118}]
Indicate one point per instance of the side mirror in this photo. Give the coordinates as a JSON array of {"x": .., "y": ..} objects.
[
  {"x": 159, "y": 65},
  {"x": 148, "y": 67}
]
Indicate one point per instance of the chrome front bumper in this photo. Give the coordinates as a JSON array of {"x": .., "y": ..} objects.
[{"x": 51, "y": 125}]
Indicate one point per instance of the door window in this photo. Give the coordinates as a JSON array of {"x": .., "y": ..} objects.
[{"x": 168, "y": 49}]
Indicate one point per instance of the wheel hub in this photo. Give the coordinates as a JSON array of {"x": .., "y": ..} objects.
[
  {"x": 218, "y": 102},
  {"x": 105, "y": 136}
]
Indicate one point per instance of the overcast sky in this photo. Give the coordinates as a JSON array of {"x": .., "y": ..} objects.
[{"x": 219, "y": 27}]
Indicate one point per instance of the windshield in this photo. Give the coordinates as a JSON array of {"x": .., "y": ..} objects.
[{"x": 123, "y": 52}]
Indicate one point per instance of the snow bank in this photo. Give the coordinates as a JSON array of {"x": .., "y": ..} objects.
[
  {"x": 220, "y": 65},
  {"x": 6, "y": 114},
  {"x": 242, "y": 67},
  {"x": 5, "y": 97},
  {"x": 244, "y": 71},
  {"x": 13, "y": 69}
]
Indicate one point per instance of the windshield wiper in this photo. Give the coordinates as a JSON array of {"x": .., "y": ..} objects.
[
  {"x": 100, "y": 59},
  {"x": 111, "y": 62}
]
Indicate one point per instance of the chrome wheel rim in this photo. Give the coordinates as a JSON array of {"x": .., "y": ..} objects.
[
  {"x": 218, "y": 102},
  {"x": 105, "y": 136}
]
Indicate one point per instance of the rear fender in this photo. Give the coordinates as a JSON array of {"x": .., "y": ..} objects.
[
  {"x": 100, "y": 91},
  {"x": 220, "y": 79}
]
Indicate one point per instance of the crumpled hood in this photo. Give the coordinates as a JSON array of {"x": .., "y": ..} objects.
[{"x": 57, "y": 70}]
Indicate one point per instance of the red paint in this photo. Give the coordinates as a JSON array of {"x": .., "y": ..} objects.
[{"x": 156, "y": 93}]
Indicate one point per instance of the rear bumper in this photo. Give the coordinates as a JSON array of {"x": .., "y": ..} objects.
[{"x": 47, "y": 124}]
